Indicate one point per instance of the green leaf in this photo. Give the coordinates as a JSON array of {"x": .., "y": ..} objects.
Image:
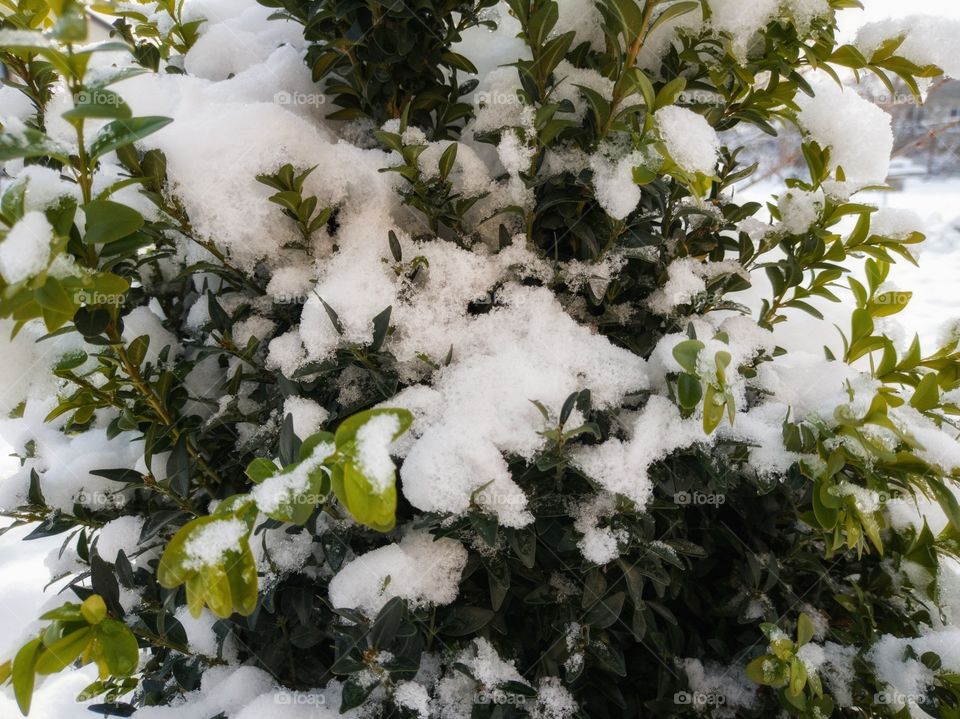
[
  {"x": 670, "y": 92},
  {"x": 120, "y": 133},
  {"x": 464, "y": 621},
  {"x": 755, "y": 670},
  {"x": 387, "y": 623},
  {"x": 98, "y": 103},
  {"x": 23, "y": 674},
  {"x": 242, "y": 577},
  {"x": 643, "y": 175},
  {"x": 375, "y": 509},
  {"x": 93, "y": 609},
  {"x": 447, "y": 159},
  {"x": 172, "y": 570},
  {"x": 30, "y": 143},
  {"x": 63, "y": 652},
  {"x": 260, "y": 469},
  {"x": 347, "y": 431},
  {"x": 674, "y": 11},
  {"x": 118, "y": 648},
  {"x": 927, "y": 394},
  {"x": 712, "y": 409},
  {"x": 107, "y": 221},
  {"x": 689, "y": 390},
  {"x": 805, "y": 629},
  {"x": 686, "y": 354},
  {"x": 947, "y": 500}
]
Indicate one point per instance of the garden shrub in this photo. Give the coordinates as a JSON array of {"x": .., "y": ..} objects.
[{"x": 516, "y": 267}]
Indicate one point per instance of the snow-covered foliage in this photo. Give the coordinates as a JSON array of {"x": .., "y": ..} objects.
[{"x": 253, "y": 257}]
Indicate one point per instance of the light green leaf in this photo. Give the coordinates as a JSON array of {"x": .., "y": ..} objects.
[
  {"x": 63, "y": 652},
  {"x": 686, "y": 354},
  {"x": 23, "y": 674}
]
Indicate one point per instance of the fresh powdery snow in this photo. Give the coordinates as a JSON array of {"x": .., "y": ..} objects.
[
  {"x": 212, "y": 541},
  {"x": 927, "y": 40},
  {"x": 478, "y": 408},
  {"x": 25, "y": 251},
  {"x": 273, "y": 492},
  {"x": 308, "y": 415},
  {"x": 856, "y": 131},
  {"x": 690, "y": 140},
  {"x": 419, "y": 569},
  {"x": 373, "y": 450}
]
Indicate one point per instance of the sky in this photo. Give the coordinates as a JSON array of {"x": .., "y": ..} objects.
[{"x": 879, "y": 9}]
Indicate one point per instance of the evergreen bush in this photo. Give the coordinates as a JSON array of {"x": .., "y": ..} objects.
[{"x": 530, "y": 290}]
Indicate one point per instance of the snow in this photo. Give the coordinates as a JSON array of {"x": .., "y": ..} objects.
[
  {"x": 907, "y": 679},
  {"x": 690, "y": 140},
  {"x": 479, "y": 407},
  {"x": 414, "y": 697},
  {"x": 725, "y": 690},
  {"x": 15, "y": 104},
  {"x": 25, "y": 251},
  {"x": 284, "y": 488},
  {"x": 741, "y": 21},
  {"x": 598, "y": 544},
  {"x": 308, "y": 415},
  {"x": 145, "y": 321},
  {"x": 856, "y": 131},
  {"x": 799, "y": 210},
  {"x": 282, "y": 551},
  {"x": 222, "y": 689},
  {"x": 45, "y": 186},
  {"x": 896, "y": 223},
  {"x": 421, "y": 570},
  {"x": 584, "y": 18},
  {"x": 927, "y": 40},
  {"x": 209, "y": 543},
  {"x": 201, "y": 638},
  {"x": 838, "y": 672},
  {"x": 553, "y": 701},
  {"x": 121, "y": 534},
  {"x": 686, "y": 282},
  {"x": 621, "y": 466},
  {"x": 286, "y": 353},
  {"x": 373, "y": 450},
  {"x": 616, "y": 191}
]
